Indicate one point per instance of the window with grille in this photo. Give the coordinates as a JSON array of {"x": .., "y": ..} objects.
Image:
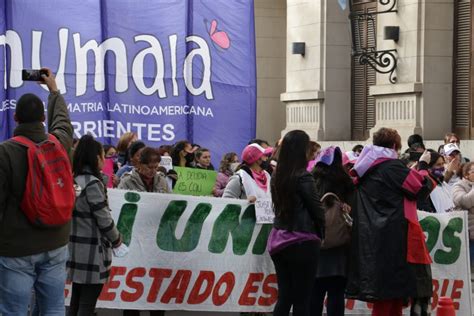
[
  {"x": 363, "y": 76},
  {"x": 463, "y": 70}
]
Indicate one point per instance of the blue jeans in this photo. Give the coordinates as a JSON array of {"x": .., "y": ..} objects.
[{"x": 45, "y": 272}]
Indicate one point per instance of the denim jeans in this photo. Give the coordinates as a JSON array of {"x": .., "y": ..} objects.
[{"x": 45, "y": 272}]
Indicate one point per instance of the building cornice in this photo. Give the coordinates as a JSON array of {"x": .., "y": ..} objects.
[
  {"x": 302, "y": 96},
  {"x": 401, "y": 88}
]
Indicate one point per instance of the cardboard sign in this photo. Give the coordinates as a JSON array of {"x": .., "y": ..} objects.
[
  {"x": 264, "y": 211},
  {"x": 167, "y": 162},
  {"x": 197, "y": 182}
]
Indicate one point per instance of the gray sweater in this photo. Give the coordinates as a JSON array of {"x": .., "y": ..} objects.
[{"x": 463, "y": 197}]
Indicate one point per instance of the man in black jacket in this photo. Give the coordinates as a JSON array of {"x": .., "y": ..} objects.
[{"x": 31, "y": 257}]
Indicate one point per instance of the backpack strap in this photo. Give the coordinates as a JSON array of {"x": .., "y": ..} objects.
[
  {"x": 53, "y": 139},
  {"x": 22, "y": 140},
  {"x": 25, "y": 141},
  {"x": 330, "y": 194},
  {"x": 241, "y": 186}
]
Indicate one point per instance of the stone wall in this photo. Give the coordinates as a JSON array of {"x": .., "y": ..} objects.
[{"x": 270, "y": 29}]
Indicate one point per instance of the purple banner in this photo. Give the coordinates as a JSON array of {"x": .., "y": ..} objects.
[{"x": 166, "y": 69}]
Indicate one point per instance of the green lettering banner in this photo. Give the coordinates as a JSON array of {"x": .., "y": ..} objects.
[
  {"x": 197, "y": 182},
  {"x": 209, "y": 254}
]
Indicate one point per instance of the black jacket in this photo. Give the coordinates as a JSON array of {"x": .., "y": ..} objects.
[
  {"x": 307, "y": 214},
  {"x": 379, "y": 269}
]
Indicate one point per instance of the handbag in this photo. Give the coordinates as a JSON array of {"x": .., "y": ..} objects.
[{"x": 338, "y": 223}]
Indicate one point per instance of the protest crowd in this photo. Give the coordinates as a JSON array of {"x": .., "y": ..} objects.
[{"x": 345, "y": 221}]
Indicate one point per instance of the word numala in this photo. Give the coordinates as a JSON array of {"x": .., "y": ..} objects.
[{"x": 116, "y": 46}]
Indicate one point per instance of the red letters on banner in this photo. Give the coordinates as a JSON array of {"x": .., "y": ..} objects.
[
  {"x": 198, "y": 297},
  {"x": 227, "y": 279},
  {"x": 455, "y": 294},
  {"x": 245, "y": 298},
  {"x": 270, "y": 290},
  {"x": 177, "y": 288},
  {"x": 205, "y": 287},
  {"x": 137, "y": 286},
  {"x": 106, "y": 295},
  {"x": 158, "y": 275}
]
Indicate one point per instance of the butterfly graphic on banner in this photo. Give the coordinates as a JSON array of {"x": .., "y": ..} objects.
[{"x": 218, "y": 37}]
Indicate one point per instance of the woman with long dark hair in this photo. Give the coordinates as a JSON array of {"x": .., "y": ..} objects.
[
  {"x": 331, "y": 277},
  {"x": 298, "y": 227},
  {"x": 94, "y": 233}
]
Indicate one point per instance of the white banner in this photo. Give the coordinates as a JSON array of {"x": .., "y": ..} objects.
[{"x": 208, "y": 254}]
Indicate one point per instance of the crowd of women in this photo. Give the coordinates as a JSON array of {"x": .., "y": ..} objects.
[{"x": 345, "y": 222}]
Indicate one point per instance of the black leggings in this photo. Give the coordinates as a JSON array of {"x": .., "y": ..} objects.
[
  {"x": 296, "y": 269},
  {"x": 334, "y": 287},
  {"x": 84, "y": 298}
]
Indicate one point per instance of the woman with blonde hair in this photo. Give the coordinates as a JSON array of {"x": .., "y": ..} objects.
[{"x": 123, "y": 145}]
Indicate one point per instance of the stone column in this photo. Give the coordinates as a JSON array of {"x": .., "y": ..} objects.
[
  {"x": 317, "y": 93},
  {"x": 270, "y": 32}
]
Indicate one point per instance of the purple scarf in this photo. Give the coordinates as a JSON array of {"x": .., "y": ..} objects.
[{"x": 369, "y": 155}]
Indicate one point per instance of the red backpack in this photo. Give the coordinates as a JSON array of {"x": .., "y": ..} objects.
[{"x": 49, "y": 194}]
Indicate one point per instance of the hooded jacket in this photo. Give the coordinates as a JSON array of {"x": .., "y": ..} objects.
[{"x": 388, "y": 251}]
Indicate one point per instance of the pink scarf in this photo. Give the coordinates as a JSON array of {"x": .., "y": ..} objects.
[{"x": 261, "y": 179}]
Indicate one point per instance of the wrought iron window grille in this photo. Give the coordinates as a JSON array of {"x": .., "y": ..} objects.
[{"x": 363, "y": 28}]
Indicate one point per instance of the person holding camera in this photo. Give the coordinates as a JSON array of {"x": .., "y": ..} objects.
[{"x": 32, "y": 256}]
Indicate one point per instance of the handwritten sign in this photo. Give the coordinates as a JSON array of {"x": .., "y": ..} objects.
[
  {"x": 264, "y": 211},
  {"x": 167, "y": 162},
  {"x": 196, "y": 182}
]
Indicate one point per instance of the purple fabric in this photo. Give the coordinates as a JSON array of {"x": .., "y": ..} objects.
[
  {"x": 311, "y": 165},
  {"x": 174, "y": 69},
  {"x": 279, "y": 239},
  {"x": 221, "y": 182},
  {"x": 369, "y": 155},
  {"x": 326, "y": 156}
]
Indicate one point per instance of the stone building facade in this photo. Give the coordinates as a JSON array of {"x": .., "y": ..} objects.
[{"x": 333, "y": 97}]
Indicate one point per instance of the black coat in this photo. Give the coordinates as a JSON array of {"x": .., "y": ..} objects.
[{"x": 379, "y": 269}]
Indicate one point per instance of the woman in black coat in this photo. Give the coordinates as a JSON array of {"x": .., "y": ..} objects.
[
  {"x": 331, "y": 277},
  {"x": 390, "y": 261}
]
